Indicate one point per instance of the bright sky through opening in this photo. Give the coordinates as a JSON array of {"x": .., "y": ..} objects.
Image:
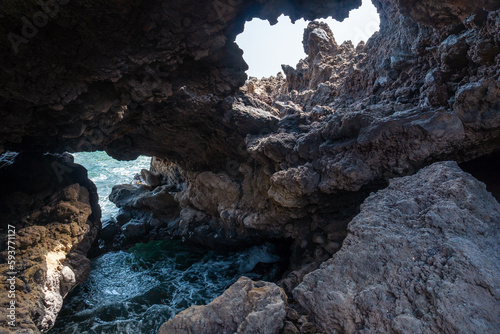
[{"x": 267, "y": 47}]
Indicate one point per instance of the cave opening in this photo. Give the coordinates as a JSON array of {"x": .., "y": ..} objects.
[
  {"x": 106, "y": 172},
  {"x": 278, "y": 159},
  {"x": 268, "y": 47},
  {"x": 137, "y": 281}
]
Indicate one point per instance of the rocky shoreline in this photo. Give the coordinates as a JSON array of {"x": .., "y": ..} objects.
[{"x": 352, "y": 160}]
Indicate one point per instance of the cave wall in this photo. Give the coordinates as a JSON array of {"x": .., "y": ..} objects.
[
  {"x": 129, "y": 77},
  {"x": 420, "y": 257}
]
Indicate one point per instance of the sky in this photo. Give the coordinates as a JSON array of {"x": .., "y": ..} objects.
[{"x": 267, "y": 47}]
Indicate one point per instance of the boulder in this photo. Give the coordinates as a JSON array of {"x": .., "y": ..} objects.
[
  {"x": 109, "y": 232},
  {"x": 134, "y": 229},
  {"x": 246, "y": 307},
  {"x": 422, "y": 256}
]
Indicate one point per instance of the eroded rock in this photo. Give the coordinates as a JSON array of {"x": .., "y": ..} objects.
[
  {"x": 130, "y": 77},
  {"x": 339, "y": 125},
  {"x": 283, "y": 158}
]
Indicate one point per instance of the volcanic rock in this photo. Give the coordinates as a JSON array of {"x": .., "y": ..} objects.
[
  {"x": 134, "y": 229},
  {"x": 341, "y": 124},
  {"x": 288, "y": 158},
  {"x": 130, "y": 77}
]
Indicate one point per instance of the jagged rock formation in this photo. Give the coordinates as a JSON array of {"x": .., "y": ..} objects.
[
  {"x": 50, "y": 213},
  {"x": 346, "y": 117},
  {"x": 342, "y": 123},
  {"x": 128, "y": 77},
  {"x": 148, "y": 210},
  {"x": 421, "y": 257}
]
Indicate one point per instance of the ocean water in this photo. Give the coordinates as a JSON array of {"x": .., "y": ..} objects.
[
  {"x": 106, "y": 172},
  {"x": 136, "y": 290}
]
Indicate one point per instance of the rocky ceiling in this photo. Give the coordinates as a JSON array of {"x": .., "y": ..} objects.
[{"x": 129, "y": 77}]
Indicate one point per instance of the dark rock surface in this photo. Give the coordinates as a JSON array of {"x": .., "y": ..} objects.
[
  {"x": 146, "y": 213},
  {"x": 130, "y": 77},
  {"x": 264, "y": 162},
  {"x": 485, "y": 169},
  {"x": 422, "y": 256},
  {"x": 342, "y": 123},
  {"x": 53, "y": 208}
]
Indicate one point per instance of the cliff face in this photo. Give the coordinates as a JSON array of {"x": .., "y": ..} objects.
[
  {"x": 283, "y": 158},
  {"x": 129, "y": 77}
]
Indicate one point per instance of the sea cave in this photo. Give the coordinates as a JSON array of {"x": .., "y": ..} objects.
[{"x": 151, "y": 184}]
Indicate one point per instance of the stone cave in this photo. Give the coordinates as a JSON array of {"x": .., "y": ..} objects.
[{"x": 373, "y": 166}]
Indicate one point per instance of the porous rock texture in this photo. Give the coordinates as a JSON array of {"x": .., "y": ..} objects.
[
  {"x": 245, "y": 307},
  {"x": 129, "y": 77},
  {"x": 421, "y": 257},
  {"x": 51, "y": 209}
]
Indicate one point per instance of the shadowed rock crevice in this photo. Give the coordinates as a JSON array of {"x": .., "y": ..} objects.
[{"x": 485, "y": 169}]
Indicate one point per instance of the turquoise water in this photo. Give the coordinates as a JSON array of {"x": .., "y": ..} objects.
[
  {"x": 135, "y": 291},
  {"x": 138, "y": 290},
  {"x": 106, "y": 172}
]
